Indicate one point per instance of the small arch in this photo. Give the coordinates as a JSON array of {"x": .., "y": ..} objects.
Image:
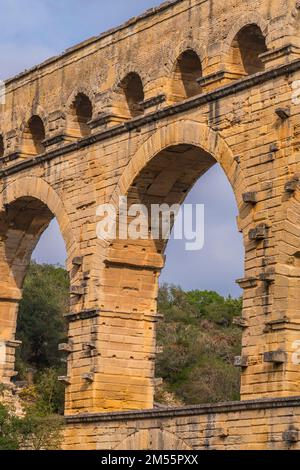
[
  {"x": 81, "y": 113},
  {"x": 246, "y": 48},
  {"x": 34, "y": 136},
  {"x": 188, "y": 69},
  {"x": 1, "y": 146},
  {"x": 133, "y": 91}
]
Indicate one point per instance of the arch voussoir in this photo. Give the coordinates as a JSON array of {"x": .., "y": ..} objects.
[
  {"x": 35, "y": 187},
  {"x": 176, "y": 133}
]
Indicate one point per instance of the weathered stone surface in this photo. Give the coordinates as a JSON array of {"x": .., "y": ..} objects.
[
  {"x": 143, "y": 111},
  {"x": 269, "y": 424}
]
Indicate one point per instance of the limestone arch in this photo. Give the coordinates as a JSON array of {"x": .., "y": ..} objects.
[
  {"x": 76, "y": 91},
  {"x": 40, "y": 111},
  {"x": 185, "y": 64},
  {"x": 124, "y": 70},
  {"x": 186, "y": 44},
  {"x": 153, "y": 439},
  {"x": 179, "y": 153},
  {"x": 25, "y": 137},
  {"x": 247, "y": 39},
  {"x": 129, "y": 95},
  {"x": 245, "y": 20},
  {"x": 27, "y": 206},
  {"x": 74, "y": 126},
  {"x": 35, "y": 110},
  {"x": 176, "y": 133},
  {"x": 37, "y": 188}
]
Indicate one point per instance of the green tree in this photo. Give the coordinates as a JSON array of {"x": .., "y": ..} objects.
[
  {"x": 8, "y": 430},
  {"x": 199, "y": 344},
  {"x": 214, "y": 307},
  {"x": 35, "y": 431},
  {"x": 50, "y": 392},
  {"x": 41, "y": 326},
  {"x": 38, "y": 431},
  {"x": 197, "y": 334}
]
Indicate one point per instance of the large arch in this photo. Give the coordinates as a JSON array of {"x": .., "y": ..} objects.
[
  {"x": 183, "y": 132},
  {"x": 27, "y": 206},
  {"x": 38, "y": 188},
  {"x": 163, "y": 170},
  {"x": 154, "y": 439}
]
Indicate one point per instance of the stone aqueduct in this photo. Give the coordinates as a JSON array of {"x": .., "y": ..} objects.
[{"x": 144, "y": 110}]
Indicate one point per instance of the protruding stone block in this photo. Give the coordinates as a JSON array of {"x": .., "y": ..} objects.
[
  {"x": 280, "y": 55},
  {"x": 276, "y": 357},
  {"x": 241, "y": 322},
  {"x": 258, "y": 233},
  {"x": 89, "y": 346},
  {"x": 274, "y": 147},
  {"x": 218, "y": 79},
  {"x": 13, "y": 344},
  {"x": 65, "y": 347},
  {"x": 283, "y": 113},
  {"x": 77, "y": 261},
  {"x": 154, "y": 101},
  {"x": 82, "y": 315},
  {"x": 291, "y": 185},
  {"x": 268, "y": 276},
  {"x": 89, "y": 377},
  {"x": 241, "y": 361},
  {"x": 64, "y": 379},
  {"x": 277, "y": 324},
  {"x": 291, "y": 436},
  {"x": 247, "y": 282},
  {"x": 77, "y": 290},
  {"x": 250, "y": 197}
]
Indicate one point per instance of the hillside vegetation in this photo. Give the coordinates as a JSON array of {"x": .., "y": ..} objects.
[
  {"x": 196, "y": 335},
  {"x": 199, "y": 343},
  {"x": 198, "y": 338}
]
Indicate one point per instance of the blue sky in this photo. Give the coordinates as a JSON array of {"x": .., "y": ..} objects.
[{"x": 34, "y": 30}]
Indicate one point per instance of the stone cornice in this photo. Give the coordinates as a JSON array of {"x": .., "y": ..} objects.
[
  {"x": 248, "y": 405},
  {"x": 82, "y": 315},
  {"x": 136, "y": 123}
]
